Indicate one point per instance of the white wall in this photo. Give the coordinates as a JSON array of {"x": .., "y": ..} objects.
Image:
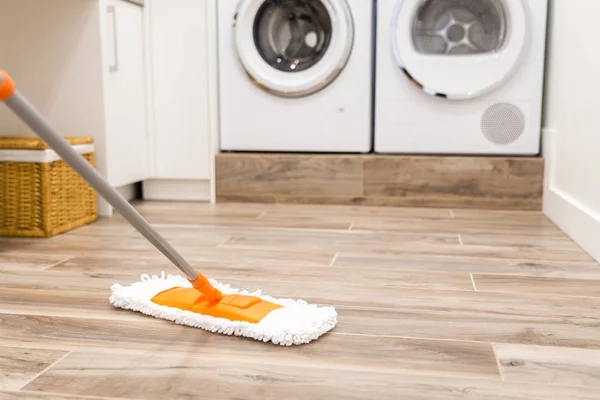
[
  {"x": 53, "y": 64},
  {"x": 57, "y": 66},
  {"x": 571, "y": 127}
]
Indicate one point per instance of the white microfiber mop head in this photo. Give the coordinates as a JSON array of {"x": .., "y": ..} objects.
[{"x": 297, "y": 322}]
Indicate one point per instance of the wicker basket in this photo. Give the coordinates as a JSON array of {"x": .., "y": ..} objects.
[{"x": 41, "y": 195}]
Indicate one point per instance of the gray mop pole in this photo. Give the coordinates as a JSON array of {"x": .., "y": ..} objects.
[{"x": 35, "y": 120}]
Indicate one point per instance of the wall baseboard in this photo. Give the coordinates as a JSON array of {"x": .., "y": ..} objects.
[
  {"x": 128, "y": 191},
  {"x": 573, "y": 218},
  {"x": 176, "y": 190}
]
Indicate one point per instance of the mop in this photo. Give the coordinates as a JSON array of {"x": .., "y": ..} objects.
[{"x": 193, "y": 300}]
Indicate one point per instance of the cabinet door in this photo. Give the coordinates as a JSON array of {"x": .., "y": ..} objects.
[
  {"x": 180, "y": 85},
  {"x": 126, "y": 142}
]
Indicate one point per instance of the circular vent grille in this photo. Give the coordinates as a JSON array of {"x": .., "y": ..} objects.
[{"x": 503, "y": 123}]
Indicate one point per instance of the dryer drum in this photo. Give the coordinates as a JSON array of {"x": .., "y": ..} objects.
[{"x": 460, "y": 27}]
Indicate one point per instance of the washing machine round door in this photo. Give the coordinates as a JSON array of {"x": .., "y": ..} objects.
[
  {"x": 459, "y": 49},
  {"x": 293, "y": 48}
]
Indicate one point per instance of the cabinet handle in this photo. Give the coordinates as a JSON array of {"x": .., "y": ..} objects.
[{"x": 114, "y": 67}]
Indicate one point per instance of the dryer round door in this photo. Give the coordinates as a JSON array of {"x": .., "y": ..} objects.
[
  {"x": 459, "y": 49},
  {"x": 293, "y": 48}
]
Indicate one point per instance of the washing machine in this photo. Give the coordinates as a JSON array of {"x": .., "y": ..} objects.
[
  {"x": 460, "y": 76},
  {"x": 295, "y": 75}
]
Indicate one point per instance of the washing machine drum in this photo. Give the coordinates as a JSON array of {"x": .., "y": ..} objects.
[
  {"x": 292, "y": 36},
  {"x": 459, "y": 49},
  {"x": 293, "y": 47}
]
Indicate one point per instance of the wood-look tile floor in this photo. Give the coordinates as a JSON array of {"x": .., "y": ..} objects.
[{"x": 433, "y": 304}]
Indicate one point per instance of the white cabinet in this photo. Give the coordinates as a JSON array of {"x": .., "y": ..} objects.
[
  {"x": 179, "y": 42},
  {"x": 126, "y": 142},
  {"x": 140, "y": 80}
]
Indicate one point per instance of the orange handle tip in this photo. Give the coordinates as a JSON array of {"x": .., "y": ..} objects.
[
  {"x": 7, "y": 86},
  {"x": 209, "y": 291}
]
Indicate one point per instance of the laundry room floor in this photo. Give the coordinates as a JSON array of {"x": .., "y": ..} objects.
[{"x": 433, "y": 304}]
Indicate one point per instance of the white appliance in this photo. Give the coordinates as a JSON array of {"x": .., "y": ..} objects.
[
  {"x": 295, "y": 75},
  {"x": 460, "y": 76}
]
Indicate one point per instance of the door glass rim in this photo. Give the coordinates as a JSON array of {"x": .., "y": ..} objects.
[
  {"x": 305, "y": 82},
  {"x": 506, "y": 60}
]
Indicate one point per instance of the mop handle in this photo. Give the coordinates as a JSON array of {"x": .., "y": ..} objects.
[{"x": 32, "y": 117}]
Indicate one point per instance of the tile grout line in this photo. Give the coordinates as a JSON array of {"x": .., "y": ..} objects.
[
  {"x": 46, "y": 369},
  {"x": 137, "y": 350},
  {"x": 334, "y": 259},
  {"x": 56, "y": 264},
  {"x": 497, "y": 362},
  {"x": 69, "y": 314},
  {"x": 473, "y": 282},
  {"x": 68, "y": 396},
  {"x": 226, "y": 246},
  {"x": 350, "y": 200},
  {"x": 221, "y": 245}
]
